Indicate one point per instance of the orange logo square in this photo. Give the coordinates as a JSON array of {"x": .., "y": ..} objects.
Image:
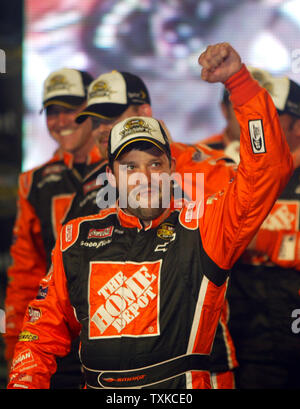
[
  {"x": 124, "y": 299},
  {"x": 283, "y": 216}
]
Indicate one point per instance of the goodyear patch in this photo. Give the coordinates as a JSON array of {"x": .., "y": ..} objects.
[
  {"x": 27, "y": 336},
  {"x": 166, "y": 231}
]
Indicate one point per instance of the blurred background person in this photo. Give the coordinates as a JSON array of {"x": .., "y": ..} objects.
[
  {"x": 45, "y": 194},
  {"x": 264, "y": 287}
]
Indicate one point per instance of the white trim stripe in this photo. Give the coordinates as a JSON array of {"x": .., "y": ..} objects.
[
  {"x": 189, "y": 380},
  {"x": 197, "y": 315},
  {"x": 214, "y": 380}
]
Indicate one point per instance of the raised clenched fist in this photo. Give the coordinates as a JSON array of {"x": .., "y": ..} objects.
[{"x": 219, "y": 62}]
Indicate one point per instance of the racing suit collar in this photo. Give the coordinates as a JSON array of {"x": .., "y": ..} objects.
[
  {"x": 131, "y": 221},
  {"x": 92, "y": 157}
]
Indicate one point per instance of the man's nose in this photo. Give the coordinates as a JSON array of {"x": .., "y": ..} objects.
[
  {"x": 63, "y": 119},
  {"x": 145, "y": 174},
  {"x": 106, "y": 127}
]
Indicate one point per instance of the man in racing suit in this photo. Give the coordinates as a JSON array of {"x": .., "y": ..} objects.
[
  {"x": 146, "y": 305},
  {"x": 45, "y": 194},
  {"x": 114, "y": 96}
]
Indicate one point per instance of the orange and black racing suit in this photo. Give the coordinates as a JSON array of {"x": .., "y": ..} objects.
[
  {"x": 217, "y": 171},
  {"x": 146, "y": 301}
]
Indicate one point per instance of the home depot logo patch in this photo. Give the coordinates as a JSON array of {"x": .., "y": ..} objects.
[
  {"x": 283, "y": 216},
  {"x": 124, "y": 299}
]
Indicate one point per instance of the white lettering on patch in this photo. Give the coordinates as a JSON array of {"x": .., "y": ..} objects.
[{"x": 257, "y": 136}]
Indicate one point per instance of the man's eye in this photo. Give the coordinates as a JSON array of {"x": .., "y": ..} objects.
[
  {"x": 55, "y": 111},
  {"x": 129, "y": 167},
  {"x": 96, "y": 122},
  {"x": 156, "y": 164}
]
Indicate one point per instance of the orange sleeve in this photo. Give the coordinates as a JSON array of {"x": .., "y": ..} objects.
[
  {"x": 232, "y": 217},
  {"x": 27, "y": 268},
  {"x": 49, "y": 326},
  {"x": 199, "y": 160}
]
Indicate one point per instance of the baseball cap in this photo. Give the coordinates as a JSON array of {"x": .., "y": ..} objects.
[
  {"x": 134, "y": 130},
  {"x": 284, "y": 92},
  {"x": 112, "y": 93},
  {"x": 66, "y": 87}
]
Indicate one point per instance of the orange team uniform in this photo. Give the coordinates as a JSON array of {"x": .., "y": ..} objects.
[{"x": 44, "y": 197}]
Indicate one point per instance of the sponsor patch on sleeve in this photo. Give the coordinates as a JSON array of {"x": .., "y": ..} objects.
[
  {"x": 69, "y": 232},
  {"x": 24, "y": 359},
  {"x": 42, "y": 292},
  {"x": 27, "y": 336},
  {"x": 257, "y": 136},
  {"x": 34, "y": 314}
]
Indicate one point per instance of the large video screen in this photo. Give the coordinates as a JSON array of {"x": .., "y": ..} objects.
[{"x": 159, "y": 40}]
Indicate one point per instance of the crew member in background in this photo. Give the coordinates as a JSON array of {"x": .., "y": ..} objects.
[
  {"x": 45, "y": 195},
  {"x": 227, "y": 140},
  {"x": 264, "y": 289}
]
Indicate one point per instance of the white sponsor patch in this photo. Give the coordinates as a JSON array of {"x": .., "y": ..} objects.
[
  {"x": 287, "y": 248},
  {"x": 69, "y": 231},
  {"x": 257, "y": 136},
  {"x": 34, "y": 314}
]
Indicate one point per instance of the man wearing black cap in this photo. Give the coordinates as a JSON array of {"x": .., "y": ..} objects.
[
  {"x": 46, "y": 192},
  {"x": 65, "y": 93},
  {"x": 144, "y": 286},
  {"x": 112, "y": 97}
]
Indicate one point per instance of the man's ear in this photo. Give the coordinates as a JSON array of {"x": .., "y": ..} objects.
[
  {"x": 167, "y": 132},
  {"x": 110, "y": 176},
  {"x": 144, "y": 110},
  {"x": 173, "y": 165}
]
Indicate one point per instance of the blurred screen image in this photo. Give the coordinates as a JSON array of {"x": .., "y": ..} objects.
[{"x": 159, "y": 40}]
